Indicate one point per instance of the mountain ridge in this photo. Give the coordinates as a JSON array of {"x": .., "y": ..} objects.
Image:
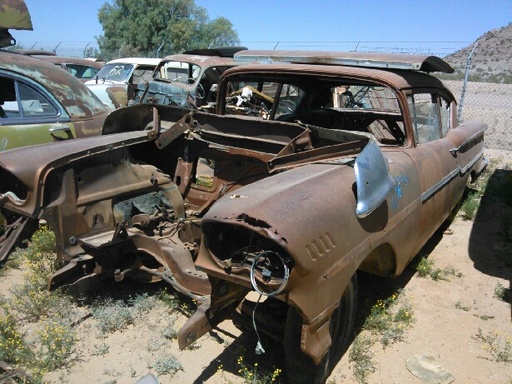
[{"x": 491, "y": 60}]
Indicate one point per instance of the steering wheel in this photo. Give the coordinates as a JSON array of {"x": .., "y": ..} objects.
[
  {"x": 286, "y": 106},
  {"x": 359, "y": 96}
]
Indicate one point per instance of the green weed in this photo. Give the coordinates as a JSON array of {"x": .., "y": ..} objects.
[
  {"x": 100, "y": 349},
  {"x": 470, "y": 205},
  {"x": 387, "y": 322},
  {"x": 361, "y": 355},
  {"x": 499, "y": 347},
  {"x": 166, "y": 365},
  {"x": 252, "y": 374},
  {"x": 56, "y": 341},
  {"x": 13, "y": 349},
  {"x": 426, "y": 267},
  {"x": 112, "y": 315},
  {"x": 500, "y": 291}
]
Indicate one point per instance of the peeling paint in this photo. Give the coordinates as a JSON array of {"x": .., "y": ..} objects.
[{"x": 400, "y": 182}]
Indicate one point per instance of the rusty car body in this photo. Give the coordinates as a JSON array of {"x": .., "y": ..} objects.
[
  {"x": 82, "y": 69},
  {"x": 14, "y": 14},
  {"x": 41, "y": 103},
  {"x": 305, "y": 187},
  {"x": 300, "y": 237},
  {"x": 189, "y": 79}
]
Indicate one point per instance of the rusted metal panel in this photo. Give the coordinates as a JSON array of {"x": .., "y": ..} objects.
[
  {"x": 398, "y": 79},
  {"x": 14, "y": 14},
  {"x": 352, "y": 59},
  {"x": 33, "y": 174},
  {"x": 58, "y": 60}
]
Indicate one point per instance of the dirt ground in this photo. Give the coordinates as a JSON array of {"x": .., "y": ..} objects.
[{"x": 448, "y": 315}]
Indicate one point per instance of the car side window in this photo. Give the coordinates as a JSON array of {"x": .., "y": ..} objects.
[
  {"x": 19, "y": 100},
  {"x": 81, "y": 71},
  {"x": 430, "y": 117}
]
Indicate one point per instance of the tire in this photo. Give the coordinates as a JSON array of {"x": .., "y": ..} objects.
[{"x": 299, "y": 366}]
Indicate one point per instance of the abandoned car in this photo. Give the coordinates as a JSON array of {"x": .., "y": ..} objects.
[
  {"x": 189, "y": 79},
  {"x": 82, "y": 69},
  {"x": 334, "y": 163},
  {"x": 40, "y": 103},
  {"x": 116, "y": 83}
]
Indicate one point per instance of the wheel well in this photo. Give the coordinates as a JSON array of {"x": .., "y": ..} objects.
[{"x": 381, "y": 261}]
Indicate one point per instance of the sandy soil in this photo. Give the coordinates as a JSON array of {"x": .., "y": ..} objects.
[{"x": 448, "y": 314}]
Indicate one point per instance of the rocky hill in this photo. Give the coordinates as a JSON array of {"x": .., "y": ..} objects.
[{"x": 492, "y": 59}]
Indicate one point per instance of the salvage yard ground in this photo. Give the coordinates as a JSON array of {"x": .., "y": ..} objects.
[{"x": 454, "y": 321}]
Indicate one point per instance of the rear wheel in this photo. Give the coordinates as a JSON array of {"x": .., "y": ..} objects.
[{"x": 299, "y": 366}]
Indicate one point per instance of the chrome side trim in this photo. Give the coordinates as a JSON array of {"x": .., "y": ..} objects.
[{"x": 445, "y": 180}]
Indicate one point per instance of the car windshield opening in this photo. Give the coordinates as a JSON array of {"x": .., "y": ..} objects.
[{"x": 178, "y": 71}]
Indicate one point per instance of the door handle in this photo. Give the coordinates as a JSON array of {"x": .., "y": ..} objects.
[{"x": 54, "y": 132}]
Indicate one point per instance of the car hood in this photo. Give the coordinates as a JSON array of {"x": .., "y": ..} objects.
[{"x": 103, "y": 82}]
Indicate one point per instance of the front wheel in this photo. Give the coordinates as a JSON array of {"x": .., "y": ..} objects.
[{"x": 299, "y": 366}]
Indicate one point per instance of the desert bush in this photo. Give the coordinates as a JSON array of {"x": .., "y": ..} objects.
[
  {"x": 253, "y": 375},
  {"x": 56, "y": 342},
  {"x": 498, "y": 346},
  {"x": 361, "y": 355},
  {"x": 166, "y": 365}
]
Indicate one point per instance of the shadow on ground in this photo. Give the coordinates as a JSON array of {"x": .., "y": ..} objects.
[{"x": 490, "y": 243}]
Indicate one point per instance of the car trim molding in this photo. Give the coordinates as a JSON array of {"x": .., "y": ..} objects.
[{"x": 445, "y": 180}]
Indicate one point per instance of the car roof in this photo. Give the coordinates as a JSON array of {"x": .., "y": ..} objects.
[
  {"x": 78, "y": 100},
  {"x": 136, "y": 60},
  {"x": 69, "y": 60},
  {"x": 400, "y": 79},
  {"x": 423, "y": 63},
  {"x": 219, "y": 51},
  {"x": 203, "y": 61}
]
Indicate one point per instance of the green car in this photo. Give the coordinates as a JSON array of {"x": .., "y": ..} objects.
[{"x": 41, "y": 103}]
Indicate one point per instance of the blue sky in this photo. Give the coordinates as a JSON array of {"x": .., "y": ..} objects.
[{"x": 427, "y": 26}]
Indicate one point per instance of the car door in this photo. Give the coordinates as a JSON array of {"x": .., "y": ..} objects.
[
  {"x": 29, "y": 114},
  {"x": 442, "y": 173}
]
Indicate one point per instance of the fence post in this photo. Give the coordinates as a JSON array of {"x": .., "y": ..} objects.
[{"x": 464, "y": 83}]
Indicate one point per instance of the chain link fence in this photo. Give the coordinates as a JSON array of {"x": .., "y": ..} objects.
[{"x": 490, "y": 103}]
